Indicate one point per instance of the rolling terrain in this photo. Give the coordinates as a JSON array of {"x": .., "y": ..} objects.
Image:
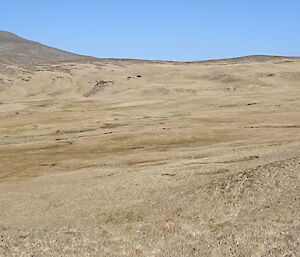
[{"x": 108, "y": 157}]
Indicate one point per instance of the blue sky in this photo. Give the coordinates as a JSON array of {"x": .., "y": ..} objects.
[{"x": 158, "y": 29}]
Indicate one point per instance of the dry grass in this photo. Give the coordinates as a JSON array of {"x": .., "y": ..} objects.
[{"x": 189, "y": 159}]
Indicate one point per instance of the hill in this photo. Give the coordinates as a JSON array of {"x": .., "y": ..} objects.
[
  {"x": 147, "y": 158},
  {"x": 17, "y": 50}
]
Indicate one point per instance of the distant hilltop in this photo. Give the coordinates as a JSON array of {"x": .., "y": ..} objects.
[{"x": 17, "y": 50}]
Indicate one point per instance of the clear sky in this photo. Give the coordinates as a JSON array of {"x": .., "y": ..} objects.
[{"x": 158, "y": 29}]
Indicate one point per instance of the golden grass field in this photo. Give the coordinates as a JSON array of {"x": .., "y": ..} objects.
[{"x": 144, "y": 158}]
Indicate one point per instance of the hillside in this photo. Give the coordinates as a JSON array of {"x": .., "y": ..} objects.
[
  {"x": 17, "y": 50},
  {"x": 147, "y": 158}
]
